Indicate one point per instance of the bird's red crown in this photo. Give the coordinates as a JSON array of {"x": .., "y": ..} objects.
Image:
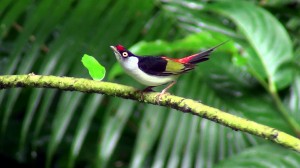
[{"x": 120, "y": 47}]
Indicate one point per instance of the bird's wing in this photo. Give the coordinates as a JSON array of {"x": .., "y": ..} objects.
[
  {"x": 162, "y": 66},
  {"x": 176, "y": 67}
]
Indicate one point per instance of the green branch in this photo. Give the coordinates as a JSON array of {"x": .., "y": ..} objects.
[{"x": 175, "y": 102}]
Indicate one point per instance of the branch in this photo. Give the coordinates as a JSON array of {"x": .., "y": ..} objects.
[{"x": 175, "y": 102}]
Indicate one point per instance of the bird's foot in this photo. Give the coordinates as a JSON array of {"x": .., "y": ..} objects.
[
  {"x": 160, "y": 95},
  {"x": 147, "y": 89}
]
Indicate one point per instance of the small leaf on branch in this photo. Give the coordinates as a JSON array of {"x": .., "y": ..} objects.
[{"x": 96, "y": 70}]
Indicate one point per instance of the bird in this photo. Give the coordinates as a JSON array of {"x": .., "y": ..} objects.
[{"x": 153, "y": 71}]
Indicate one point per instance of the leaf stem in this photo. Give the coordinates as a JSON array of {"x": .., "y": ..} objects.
[
  {"x": 285, "y": 113},
  {"x": 282, "y": 109}
]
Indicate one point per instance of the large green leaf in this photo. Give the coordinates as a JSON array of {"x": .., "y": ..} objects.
[
  {"x": 150, "y": 128},
  {"x": 33, "y": 54},
  {"x": 11, "y": 16},
  {"x": 113, "y": 127},
  {"x": 293, "y": 99},
  {"x": 84, "y": 124},
  {"x": 167, "y": 138},
  {"x": 263, "y": 156},
  {"x": 240, "y": 92},
  {"x": 61, "y": 122},
  {"x": 267, "y": 36}
]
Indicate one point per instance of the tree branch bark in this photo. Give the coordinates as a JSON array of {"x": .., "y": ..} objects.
[{"x": 175, "y": 102}]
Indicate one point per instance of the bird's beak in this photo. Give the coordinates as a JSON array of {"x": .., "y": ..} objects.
[
  {"x": 117, "y": 54},
  {"x": 114, "y": 49}
]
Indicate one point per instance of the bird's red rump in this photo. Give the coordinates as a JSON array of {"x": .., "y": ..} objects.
[
  {"x": 172, "y": 59},
  {"x": 187, "y": 59},
  {"x": 120, "y": 48},
  {"x": 182, "y": 60}
]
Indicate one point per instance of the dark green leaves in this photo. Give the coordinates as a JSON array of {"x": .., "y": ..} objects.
[
  {"x": 79, "y": 130},
  {"x": 263, "y": 156},
  {"x": 96, "y": 70},
  {"x": 271, "y": 44}
]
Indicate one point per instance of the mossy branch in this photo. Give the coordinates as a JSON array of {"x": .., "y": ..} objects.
[{"x": 175, "y": 102}]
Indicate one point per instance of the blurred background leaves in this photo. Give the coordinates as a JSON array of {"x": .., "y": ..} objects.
[{"x": 255, "y": 75}]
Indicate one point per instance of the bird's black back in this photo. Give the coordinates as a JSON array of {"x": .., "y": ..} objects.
[{"x": 153, "y": 65}]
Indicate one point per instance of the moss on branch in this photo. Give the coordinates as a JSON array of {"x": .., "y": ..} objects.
[{"x": 175, "y": 102}]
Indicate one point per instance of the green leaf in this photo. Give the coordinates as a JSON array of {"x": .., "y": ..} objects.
[
  {"x": 171, "y": 140},
  {"x": 151, "y": 125},
  {"x": 266, "y": 35},
  {"x": 263, "y": 156},
  {"x": 240, "y": 92},
  {"x": 167, "y": 137},
  {"x": 96, "y": 70},
  {"x": 84, "y": 124},
  {"x": 61, "y": 122},
  {"x": 181, "y": 143},
  {"x": 293, "y": 99},
  {"x": 112, "y": 130}
]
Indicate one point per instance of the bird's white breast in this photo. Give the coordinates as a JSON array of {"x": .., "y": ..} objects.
[{"x": 131, "y": 67}]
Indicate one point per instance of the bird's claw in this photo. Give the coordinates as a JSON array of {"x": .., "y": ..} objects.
[
  {"x": 146, "y": 90},
  {"x": 158, "y": 98},
  {"x": 160, "y": 95}
]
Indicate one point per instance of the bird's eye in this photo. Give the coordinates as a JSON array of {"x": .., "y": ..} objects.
[{"x": 125, "y": 54}]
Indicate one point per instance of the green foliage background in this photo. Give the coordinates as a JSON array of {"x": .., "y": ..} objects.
[{"x": 255, "y": 76}]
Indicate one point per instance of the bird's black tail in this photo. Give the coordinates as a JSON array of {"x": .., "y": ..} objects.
[{"x": 203, "y": 56}]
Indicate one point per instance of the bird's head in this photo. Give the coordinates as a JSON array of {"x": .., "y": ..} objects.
[{"x": 121, "y": 52}]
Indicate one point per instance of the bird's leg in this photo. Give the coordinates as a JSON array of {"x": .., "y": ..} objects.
[
  {"x": 158, "y": 98},
  {"x": 148, "y": 89}
]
